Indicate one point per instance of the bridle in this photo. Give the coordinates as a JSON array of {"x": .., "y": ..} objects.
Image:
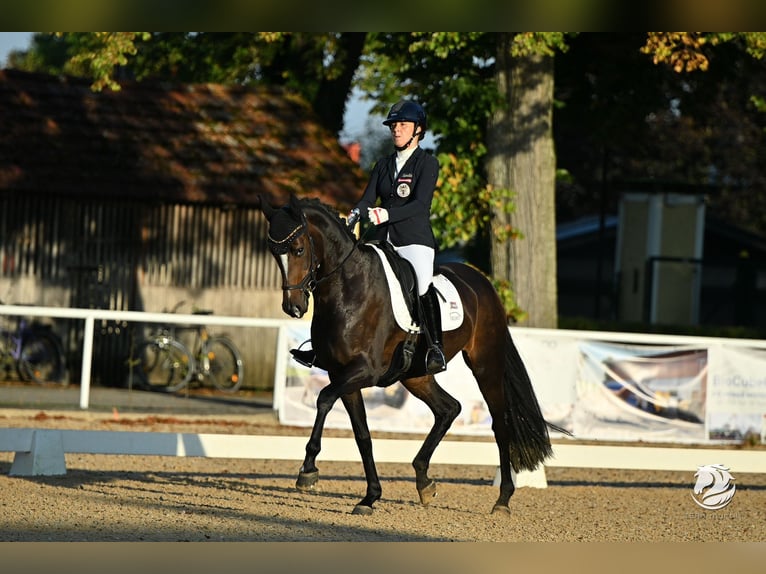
[{"x": 310, "y": 281}]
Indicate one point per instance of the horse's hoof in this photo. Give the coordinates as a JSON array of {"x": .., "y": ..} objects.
[
  {"x": 501, "y": 509},
  {"x": 307, "y": 480},
  {"x": 362, "y": 510},
  {"x": 427, "y": 493}
]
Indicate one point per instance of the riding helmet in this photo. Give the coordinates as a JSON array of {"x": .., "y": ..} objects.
[{"x": 407, "y": 111}]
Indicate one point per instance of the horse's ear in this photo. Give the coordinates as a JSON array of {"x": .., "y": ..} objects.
[
  {"x": 266, "y": 208},
  {"x": 295, "y": 204}
]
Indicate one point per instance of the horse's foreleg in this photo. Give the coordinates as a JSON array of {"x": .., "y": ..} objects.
[
  {"x": 445, "y": 409},
  {"x": 309, "y": 473},
  {"x": 356, "y": 412}
]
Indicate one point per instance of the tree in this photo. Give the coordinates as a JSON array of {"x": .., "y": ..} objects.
[{"x": 494, "y": 95}]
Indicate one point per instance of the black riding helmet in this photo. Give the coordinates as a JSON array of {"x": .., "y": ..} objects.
[{"x": 407, "y": 111}]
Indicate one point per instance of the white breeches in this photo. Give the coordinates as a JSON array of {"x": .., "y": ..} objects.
[{"x": 422, "y": 259}]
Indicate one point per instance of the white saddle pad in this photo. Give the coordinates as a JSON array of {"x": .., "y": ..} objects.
[{"x": 449, "y": 301}]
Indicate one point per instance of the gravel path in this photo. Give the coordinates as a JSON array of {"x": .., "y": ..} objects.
[{"x": 136, "y": 498}]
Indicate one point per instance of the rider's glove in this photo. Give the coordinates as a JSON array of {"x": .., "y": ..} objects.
[
  {"x": 353, "y": 217},
  {"x": 377, "y": 215}
]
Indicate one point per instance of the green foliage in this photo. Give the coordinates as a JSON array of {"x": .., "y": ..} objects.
[
  {"x": 225, "y": 58},
  {"x": 460, "y": 208},
  {"x": 513, "y": 312},
  {"x": 755, "y": 43},
  {"x": 100, "y": 53},
  {"x": 759, "y": 102},
  {"x": 543, "y": 43},
  {"x": 450, "y": 74}
]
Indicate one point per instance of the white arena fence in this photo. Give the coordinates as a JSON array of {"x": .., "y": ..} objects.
[
  {"x": 42, "y": 451},
  {"x": 89, "y": 316}
]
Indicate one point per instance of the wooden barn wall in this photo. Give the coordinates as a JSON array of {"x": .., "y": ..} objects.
[{"x": 134, "y": 256}]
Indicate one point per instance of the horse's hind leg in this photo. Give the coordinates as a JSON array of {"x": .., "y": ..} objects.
[
  {"x": 507, "y": 487},
  {"x": 445, "y": 409},
  {"x": 488, "y": 372}
]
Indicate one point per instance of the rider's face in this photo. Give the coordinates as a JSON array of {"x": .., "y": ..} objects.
[{"x": 401, "y": 132}]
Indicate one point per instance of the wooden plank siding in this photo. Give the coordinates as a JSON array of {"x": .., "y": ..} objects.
[{"x": 125, "y": 255}]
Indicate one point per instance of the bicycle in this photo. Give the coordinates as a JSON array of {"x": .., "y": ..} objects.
[
  {"x": 33, "y": 351},
  {"x": 163, "y": 362}
]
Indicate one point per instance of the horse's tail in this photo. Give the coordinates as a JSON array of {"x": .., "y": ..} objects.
[{"x": 529, "y": 441}]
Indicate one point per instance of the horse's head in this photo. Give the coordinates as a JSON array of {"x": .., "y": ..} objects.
[
  {"x": 310, "y": 242},
  {"x": 291, "y": 245},
  {"x": 705, "y": 477},
  {"x": 715, "y": 475}
]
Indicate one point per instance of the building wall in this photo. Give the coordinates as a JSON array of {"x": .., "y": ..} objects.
[{"x": 134, "y": 256}]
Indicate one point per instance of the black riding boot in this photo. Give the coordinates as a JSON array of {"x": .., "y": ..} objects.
[
  {"x": 306, "y": 357},
  {"x": 432, "y": 320}
]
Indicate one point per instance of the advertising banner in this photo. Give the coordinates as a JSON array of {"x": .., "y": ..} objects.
[
  {"x": 598, "y": 386},
  {"x": 647, "y": 393},
  {"x": 736, "y": 398}
]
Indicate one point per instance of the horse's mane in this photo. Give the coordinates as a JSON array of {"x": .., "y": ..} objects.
[{"x": 318, "y": 205}]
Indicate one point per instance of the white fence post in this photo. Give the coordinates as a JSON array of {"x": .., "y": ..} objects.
[{"x": 87, "y": 361}]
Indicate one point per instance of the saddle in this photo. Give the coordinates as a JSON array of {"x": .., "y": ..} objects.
[{"x": 404, "y": 274}]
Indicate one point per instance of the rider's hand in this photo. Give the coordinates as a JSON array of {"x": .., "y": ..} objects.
[
  {"x": 377, "y": 215},
  {"x": 353, "y": 217}
]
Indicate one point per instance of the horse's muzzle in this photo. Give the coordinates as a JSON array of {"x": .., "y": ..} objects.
[
  {"x": 293, "y": 308},
  {"x": 294, "y": 311}
]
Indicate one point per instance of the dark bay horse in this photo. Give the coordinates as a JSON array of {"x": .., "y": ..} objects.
[{"x": 355, "y": 337}]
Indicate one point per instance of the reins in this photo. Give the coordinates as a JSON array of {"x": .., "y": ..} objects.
[
  {"x": 343, "y": 262},
  {"x": 310, "y": 281}
]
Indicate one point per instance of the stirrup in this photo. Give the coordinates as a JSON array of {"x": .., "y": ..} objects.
[
  {"x": 305, "y": 357},
  {"x": 435, "y": 360}
]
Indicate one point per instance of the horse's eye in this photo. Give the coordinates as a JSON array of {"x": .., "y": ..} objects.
[{"x": 298, "y": 251}]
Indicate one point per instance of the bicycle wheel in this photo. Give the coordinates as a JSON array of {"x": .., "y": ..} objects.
[
  {"x": 163, "y": 364},
  {"x": 40, "y": 359},
  {"x": 221, "y": 363}
]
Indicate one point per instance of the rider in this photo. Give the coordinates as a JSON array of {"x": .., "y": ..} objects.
[{"x": 404, "y": 183}]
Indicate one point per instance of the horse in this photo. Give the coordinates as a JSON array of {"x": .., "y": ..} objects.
[{"x": 357, "y": 340}]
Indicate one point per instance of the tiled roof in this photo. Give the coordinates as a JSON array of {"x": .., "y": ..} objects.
[{"x": 190, "y": 143}]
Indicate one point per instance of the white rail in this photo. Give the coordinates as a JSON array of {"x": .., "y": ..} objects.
[
  {"x": 41, "y": 451},
  {"x": 90, "y": 316}
]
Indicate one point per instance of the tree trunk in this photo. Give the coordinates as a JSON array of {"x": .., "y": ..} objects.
[
  {"x": 330, "y": 101},
  {"x": 521, "y": 158}
]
